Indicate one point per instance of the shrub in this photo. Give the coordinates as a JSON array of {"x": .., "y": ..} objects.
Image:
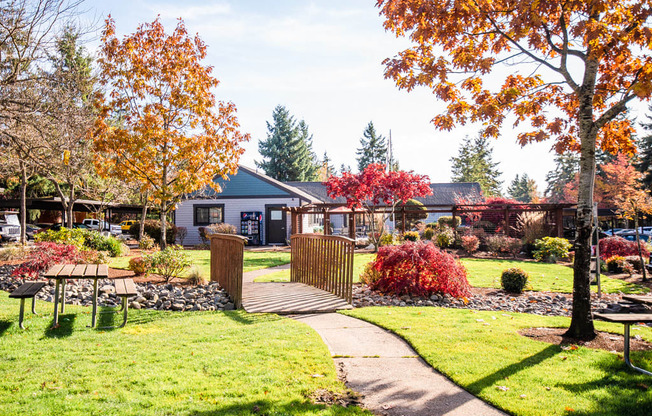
[
  {"x": 618, "y": 246},
  {"x": 182, "y": 233},
  {"x": 94, "y": 257},
  {"x": 531, "y": 225},
  {"x": 386, "y": 240},
  {"x": 44, "y": 256},
  {"x": 514, "y": 280},
  {"x": 196, "y": 278},
  {"x": 139, "y": 265},
  {"x": 153, "y": 229},
  {"x": 635, "y": 262},
  {"x": 448, "y": 222},
  {"x": 221, "y": 228},
  {"x": 146, "y": 243},
  {"x": 66, "y": 236},
  {"x": 419, "y": 269},
  {"x": 497, "y": 244},
  {"x": 470, "y": 243},
  {"x": 83, "y": 239},
  {"x": 428, "y": 233},
  {"x": 615, "y": 264},
  {"x": 14, "y": 253},
  {"x": 513, "y": 245},
  {"x": 370, "y": 275},
  {"x": 96, "y": 241},
  {"x": 445, "y": 237},
  {"x": 550, "y": 249},
  {"x": 410, "y": 236},
  {"x": 168, "y": 263}
]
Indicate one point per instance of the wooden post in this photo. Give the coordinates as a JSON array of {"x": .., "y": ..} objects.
[
  {"x": 559, "y": 219},
  {"x": 454, "y": 223},
  {"x": 294, "y": 228},
  {"x": 352, "y": 224},
  {"x": 327, "y": 223},
  {"x": 507, "y": 228}
]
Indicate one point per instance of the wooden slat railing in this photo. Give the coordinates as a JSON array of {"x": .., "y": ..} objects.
[
  {"x": 325, "y": 262},
  {"x": 227, "y": 253}
]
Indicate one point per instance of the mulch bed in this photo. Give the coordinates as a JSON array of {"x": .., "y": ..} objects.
[{"x": 604, "y": 341}]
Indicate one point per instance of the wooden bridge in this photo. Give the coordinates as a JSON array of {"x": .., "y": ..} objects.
[{"x": 321, "y": 274}]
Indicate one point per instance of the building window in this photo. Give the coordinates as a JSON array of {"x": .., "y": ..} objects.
[{"x": 209, "y": 214}]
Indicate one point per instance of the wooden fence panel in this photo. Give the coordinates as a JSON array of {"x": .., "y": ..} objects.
[
  {"x": 227, "y": 255},
  {"x": 325, "y": 262}
]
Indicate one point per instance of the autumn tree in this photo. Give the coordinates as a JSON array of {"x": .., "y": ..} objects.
[
  {"x": 160, "y": 123},
  {"x": 523, "y": 189},
  {"x": 623, "y": 186},
  {"x": 373, "y": 148},
  {"x": 474, "y": 163},
  {"x": 574, "y": 66},
  {"x": 287, "y": 151},
  {"x": 375, "y": 186}
]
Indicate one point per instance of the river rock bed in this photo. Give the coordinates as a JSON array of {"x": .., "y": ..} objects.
[
  {"x": 538, "y": 303},
  {"x": 207, "y": 297}
]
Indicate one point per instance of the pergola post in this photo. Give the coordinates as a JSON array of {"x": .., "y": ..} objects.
[
  {"x": 507, "y": 227},
  {"x": 327, "y": 223},
  {"x": 352, "y": 224},
  {"x": 559, "y": 220}
]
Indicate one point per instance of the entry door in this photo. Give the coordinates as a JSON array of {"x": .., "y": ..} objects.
[{"x": 276, "y": 225}]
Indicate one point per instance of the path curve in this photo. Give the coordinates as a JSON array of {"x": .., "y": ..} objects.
[{"x": 389, "y": 374}]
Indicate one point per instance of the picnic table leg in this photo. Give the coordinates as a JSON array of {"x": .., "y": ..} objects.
[
  {"x": 34, "y": 305},
  {"x": 125, "y": 307},
  {"x": 63, "y": 296},
  {"x": 94, "y": 317},
  {"x": 627, "y": 361},
  {"x": 21, "y": 314},
  {"x": 56, "y": 305}
]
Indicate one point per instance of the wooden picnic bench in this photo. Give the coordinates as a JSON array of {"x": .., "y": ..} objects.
[
  {"x": 628, "y": 319},
  {"x": 124, "y": 288},
  {"x": 25, "y": 291}
]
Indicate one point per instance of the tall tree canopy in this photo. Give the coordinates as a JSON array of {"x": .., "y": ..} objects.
[
  {"x": 523, "y": 189},
  {"x": 644, "y": 144},
  {"x": 161, "y": 125},
  {"x": 574, "y": 67},
  {"x": 474, "y": 163},
  {"x": 287, "y": 151},
  {"x": 373, "y": 148},
  {"x": 566, "y": 167}
]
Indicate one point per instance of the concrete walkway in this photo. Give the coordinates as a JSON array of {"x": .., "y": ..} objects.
[{"x": 388, "y": 373}]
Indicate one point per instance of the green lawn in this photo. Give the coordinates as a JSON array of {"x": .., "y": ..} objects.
[
  {"x": 485, "y": 355},
  {"x": 253, "y": 260},
  {"x": 360, "y": 260},
  {"x": 162, "y": 363},
  {"x": 543, "y": 276}
]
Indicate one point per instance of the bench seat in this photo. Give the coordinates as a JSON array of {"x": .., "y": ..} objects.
[
  {"x": 124, "y": 288},
  {"x": 25, "y": 291}
]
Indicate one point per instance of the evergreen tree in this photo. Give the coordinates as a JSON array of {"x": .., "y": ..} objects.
[
  {"x": 644, "y": 144},
  {"x": 373, "y": 148},
  {"x": 326, "y": 170},
  {"x": 566, "y": 168},
  {"x": 523, "y": 189},
  {"x": 287, "y": 151},
  {"x": 474, "y": 164}
]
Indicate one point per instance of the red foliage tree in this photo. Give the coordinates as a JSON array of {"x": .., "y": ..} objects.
[{"x": 375, "y": 186}]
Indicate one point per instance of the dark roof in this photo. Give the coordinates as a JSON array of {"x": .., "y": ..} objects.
[{"x": 442, "y": 193}]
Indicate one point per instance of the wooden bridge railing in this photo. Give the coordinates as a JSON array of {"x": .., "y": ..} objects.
[
  {"x": 227, "y": 253},
  {"x": 325, "y": 262}
]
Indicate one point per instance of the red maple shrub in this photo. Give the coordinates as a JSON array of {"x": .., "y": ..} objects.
[
  {"x": 419, "y": 269},
  {"x": 44, "y": 256},
  {"x": 618, "y": 246}
]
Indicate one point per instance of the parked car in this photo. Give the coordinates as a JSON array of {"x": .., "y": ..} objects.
[
  {"x": 31, "y": 230},
  {"x": 58, "y": 226},
  {"x": 95, "y": 224},
  {"x": 9, "y": 226},
  {"x": 126, "y": 225},
  {"x": 612, "y": 231},
  {"x": 631, "y": 236}
]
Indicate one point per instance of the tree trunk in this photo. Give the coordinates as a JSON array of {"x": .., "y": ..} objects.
[
  {"x": 23, "y": 202},
  {"x": 71, "y": 204},
  {"x": 143, "y": 215},
  {"x": 638, "y": 242},
  {"x": 163, "y": 225},
  {"x": 581, "y": 326}
]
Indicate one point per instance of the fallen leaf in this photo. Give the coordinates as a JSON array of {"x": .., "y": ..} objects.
[
  {"x": 547, "y": 388},
  {"x": 522, "y": 396},
  {"x": 563, "y": 358},
  {"x": 569, "y": 409},
  {"x": 502, "y": 388},
  {"x": 317, "y": 375}
]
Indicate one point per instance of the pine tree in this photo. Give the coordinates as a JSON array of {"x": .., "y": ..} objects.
[
  {"x": 373, "y": 148},
  {"x": 523, "y": 189},
  {"x": 474, "y": 164},
  {"x": 287, "y": 151},
  {"x": 326, "y": 170},
  {"x": 566, "y": 168}
]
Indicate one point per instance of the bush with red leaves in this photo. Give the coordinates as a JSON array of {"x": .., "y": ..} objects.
[
  {"x": 44, "y": 256},
  {"x": 618, "y": 246},
  {"x": 419, "y": 269}
]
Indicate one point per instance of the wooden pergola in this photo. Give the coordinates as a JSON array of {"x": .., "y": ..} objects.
[{"x": 556, "y": 212}]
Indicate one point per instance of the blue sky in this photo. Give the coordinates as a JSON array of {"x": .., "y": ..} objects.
[{"x": 322, "y": 60}]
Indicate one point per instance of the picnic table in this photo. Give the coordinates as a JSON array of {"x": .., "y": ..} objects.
[
  {"x": 628, "y": 319},
  {"x": 63, "y": 272}
]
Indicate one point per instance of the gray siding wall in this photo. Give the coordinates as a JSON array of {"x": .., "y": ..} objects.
[{"x": 232, "y": 210}]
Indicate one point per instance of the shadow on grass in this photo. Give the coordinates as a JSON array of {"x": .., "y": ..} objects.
[
  {"x": 4, "y": 325},
  {"x": 242, "y": 317},
  {"x": 268, "y": 407},
  {"x": 512, "y": 369},
  {"x": 107, "y": 317},
  {"x": 66, "y": 324},
  {"x": 621, "y": 391}
]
